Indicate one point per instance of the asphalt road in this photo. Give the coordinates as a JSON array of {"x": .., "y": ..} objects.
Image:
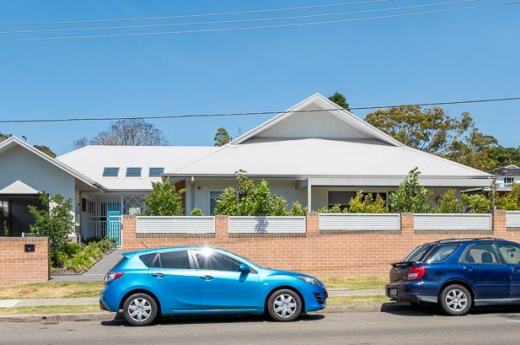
[{"x": 408, "y": 327}]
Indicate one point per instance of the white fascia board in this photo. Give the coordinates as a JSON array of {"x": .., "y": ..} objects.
[{"x": 396, "y": 181}]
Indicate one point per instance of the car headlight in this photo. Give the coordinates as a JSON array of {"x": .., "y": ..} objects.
[{"x": 310, "y": 280}]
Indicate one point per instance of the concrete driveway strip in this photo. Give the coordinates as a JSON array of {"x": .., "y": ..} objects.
[{"x": 403, "y": 328}]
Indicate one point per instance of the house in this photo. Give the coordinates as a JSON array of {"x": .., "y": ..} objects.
[
  {"x": 505, "y": 177},
  {"x": 316, "y": 153}
]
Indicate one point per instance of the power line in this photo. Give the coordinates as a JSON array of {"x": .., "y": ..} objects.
[
  {"x": 235, "y": 21},
  {"x": 259, "y": 27},
  {"x": 196, "y": 15},
  {"x": 254, "y": 113}
]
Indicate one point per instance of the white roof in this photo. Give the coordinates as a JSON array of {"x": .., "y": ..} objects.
[
  {"x": 91, "y": 161},
  {"x": 322, "y": 157}
]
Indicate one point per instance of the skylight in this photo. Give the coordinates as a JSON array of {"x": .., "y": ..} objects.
[
  {"x": 155, "y": 172},
  {"x": 133, "y": 172},
  {"x": 110, "y": 171}
]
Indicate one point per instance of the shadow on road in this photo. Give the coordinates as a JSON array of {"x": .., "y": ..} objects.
[
  {"x": 181, "y": 320},
  {"x": 405, "y": 309}
]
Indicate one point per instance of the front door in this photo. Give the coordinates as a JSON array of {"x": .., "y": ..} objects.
[
  {"x": 223, "y": 286},
  {"x": 114, "y": 222},
  {"x": 481, "y": 266},
  {"x": 511, "y": 255},
  {"x": 176, "y": 283}
]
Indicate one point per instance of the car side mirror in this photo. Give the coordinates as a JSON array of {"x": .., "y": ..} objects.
[{"x": 244, "y": 268}]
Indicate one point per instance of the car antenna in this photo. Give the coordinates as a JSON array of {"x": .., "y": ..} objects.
[{"x": 144, "y": 245}]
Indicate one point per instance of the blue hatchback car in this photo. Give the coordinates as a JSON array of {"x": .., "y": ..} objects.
[
  {"x": 458, "y": 274},
  {"x": 199, "y": 280}
]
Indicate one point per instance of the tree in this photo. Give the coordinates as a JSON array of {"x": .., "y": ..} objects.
[
  {"x": 55, "y": 221},
  {"x": 340, "y": 100},
  {"x": 410, "y": 196},
  {"x": 427, "y": 129},
  {"x": 221, "y": 137},
  {"x": 46, "y": 150},
  {"x": 476, "y": 203},
  {"x": 473, "y": 151},
  {"x": 164, "y": 200},
  {"x": 250, "y": 199},
  {"x": 511, "y": 202},
  {"x": 367, "y": 203},
  {"x": 4, "y": 136},
  {"x": 503, "y": 156},
  {"x": 448, "y": 202},
  {"x": 128, "y": 132},
  {"x": 81, "y": 142}
]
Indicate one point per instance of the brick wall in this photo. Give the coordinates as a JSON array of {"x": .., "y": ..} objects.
[
  {"x": 317, "y": 253},
  {"x": 19, "y": 267}
]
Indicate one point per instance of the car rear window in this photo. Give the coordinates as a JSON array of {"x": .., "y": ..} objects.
[
  {"x": 418, "y": 253},
  {"x": 123, "y": 259},
  {"x": 440, "y": 253},
  {"x": 147, "y": 259}
]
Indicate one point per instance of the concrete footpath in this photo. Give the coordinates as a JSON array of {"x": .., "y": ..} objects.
[{"x": 96, "y": 273}]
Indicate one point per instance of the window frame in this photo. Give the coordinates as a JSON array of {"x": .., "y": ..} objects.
[
  {"x": 105, "y": 174},
  {"x": 134, "y": 168},
  {"x": 211, "y": 212},
  {"x": 467, "y": 249}
]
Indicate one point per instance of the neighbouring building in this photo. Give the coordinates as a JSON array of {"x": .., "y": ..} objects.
[{"x": 316, "y": 153}]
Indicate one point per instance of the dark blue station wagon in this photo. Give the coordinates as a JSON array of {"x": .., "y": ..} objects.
[{"x": 458, "y": 274}]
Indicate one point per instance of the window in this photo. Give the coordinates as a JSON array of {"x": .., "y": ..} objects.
[
  {"x": 133, "y": 172},
  {"x": 509, "y": 180},
  {"x": 154, "y": 172},
  {"x": 418, "y": 253},
  {"x": 340, "y": 198},
  {"x": 480, "y": 254},
  {"x": 178, "y": 259},
  {"x": 147, "y": 259},
  {"x": 210, "y": 260},
  {"x": 441, "y": 253},
  {"x": 213, "y": 197},
  {"x": 510, "y": 253},
  {"x": 110, "y": 172}
]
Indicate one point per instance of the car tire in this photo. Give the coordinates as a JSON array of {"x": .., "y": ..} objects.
[
  {"x": 284, "y": 305},
  {"x": 456, "y": 300},
  {"x": 140, "y": 309}
]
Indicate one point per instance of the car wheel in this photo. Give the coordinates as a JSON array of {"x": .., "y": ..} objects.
[
  {"x": 140, "y": 309},
  {"x": 284, "y": 305},
  {"x": 456, "y": 300}
]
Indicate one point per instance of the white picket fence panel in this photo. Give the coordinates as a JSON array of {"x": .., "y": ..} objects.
[
  {"x": 513, "y": 219},
  {"x": 453, "y": 222},
  {"x": 266, "y": 225},
  {"x": 175, "y": 225},
  {"x": 360, "y": 221}
]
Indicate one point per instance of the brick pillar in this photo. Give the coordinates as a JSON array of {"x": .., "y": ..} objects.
[
  {"x": 129, "y": 241},
  {"x": 313, "y": 224},
  {"x": 499, "y": 223},
  {"x": 407, "y": 224},
  {"x": 221, "y": 227}
]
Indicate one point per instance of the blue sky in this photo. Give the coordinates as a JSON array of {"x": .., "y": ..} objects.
[{"x": 439, "y": 57}]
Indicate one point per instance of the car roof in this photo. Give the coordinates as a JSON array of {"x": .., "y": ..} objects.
[
  {"x": 166, "y": 249},
  {"x": 470, "y": 240}
]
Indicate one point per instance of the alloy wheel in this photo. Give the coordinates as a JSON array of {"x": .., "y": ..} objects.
[{"x": 456, "y": 300}]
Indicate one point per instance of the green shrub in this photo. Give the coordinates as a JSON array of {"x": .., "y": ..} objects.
[
  {"x": 448, "y": 202},
  {"x": 367, "y": 203},
  {"x": 164, "y": 200},
  {"x": 298, "y": 210},
  {"x": 410, "y": 196},
  {"x": 196, "y": 212},
  {"x": 511, "y": 201},
  {"x": 476, "y": 203}
]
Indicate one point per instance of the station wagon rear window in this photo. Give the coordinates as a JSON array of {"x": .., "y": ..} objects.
[
  {"x": 418, "y": 253},
  {"x": 441, "y": 253}
]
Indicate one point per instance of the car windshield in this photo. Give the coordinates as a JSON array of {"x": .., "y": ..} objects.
[{"x": 418, "y": 253}]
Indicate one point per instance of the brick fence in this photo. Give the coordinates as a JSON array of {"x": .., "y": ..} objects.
[
  {"x": 315, "y": 252},
  {"x": 20, "y": 267}
]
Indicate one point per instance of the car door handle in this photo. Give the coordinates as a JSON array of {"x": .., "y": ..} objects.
[
  {"x": 467, "y": 268},
  {"x": 206, "y": 277},
  {"x": 158, "y": 275}
]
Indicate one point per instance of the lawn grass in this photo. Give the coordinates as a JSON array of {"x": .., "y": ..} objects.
[
  {"x": 355, "y": 283},
  {"x": 51, "y": 309},
  {"x": 52, "y": 290},
  {"x": 356, "y": 300}
]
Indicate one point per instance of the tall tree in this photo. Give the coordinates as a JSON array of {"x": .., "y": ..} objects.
[
  {"x": 221, "y": 137},
  {"x": 130, "y": 132},
  {"x": 46, "y": 150},
  {"x": 340, "y": 100}
]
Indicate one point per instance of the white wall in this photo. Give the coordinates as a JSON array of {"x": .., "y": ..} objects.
[{"x": 20, "y": 164}]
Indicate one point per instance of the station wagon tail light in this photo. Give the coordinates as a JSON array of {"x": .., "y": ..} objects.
[
  {"x": 112, "y": 276},
  {"x": 416, "y": 273}
]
